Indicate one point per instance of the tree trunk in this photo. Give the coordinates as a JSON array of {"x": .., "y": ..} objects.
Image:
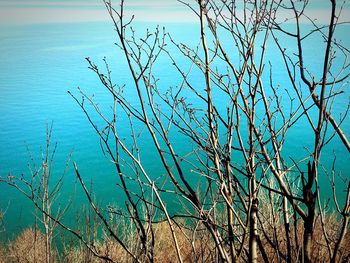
[
  {"x": 287, "y": 229},
  {"x": 308, "y": 229},
  {"x": 310, "y": 201},
  {"x": 253, "y": 233}
]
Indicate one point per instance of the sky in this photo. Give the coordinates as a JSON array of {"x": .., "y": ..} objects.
[
  {"x": 56, "y": 11},
  {"x": 63, "y": 11}
]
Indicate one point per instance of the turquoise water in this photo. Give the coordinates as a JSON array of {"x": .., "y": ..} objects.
[{"x": 40, "y": 63}]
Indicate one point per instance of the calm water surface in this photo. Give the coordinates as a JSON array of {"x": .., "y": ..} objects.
[{"x": 38, "y": 65}]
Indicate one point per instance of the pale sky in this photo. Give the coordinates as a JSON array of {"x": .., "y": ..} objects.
[
  {"x": 61, "y": 11},
  {"x": 56, "y": 11}
]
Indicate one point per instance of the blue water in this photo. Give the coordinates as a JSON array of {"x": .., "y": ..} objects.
[{"x": 39, "y": 64}]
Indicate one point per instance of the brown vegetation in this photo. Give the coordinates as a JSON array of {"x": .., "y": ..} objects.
[{"x": 29, "y": 246}]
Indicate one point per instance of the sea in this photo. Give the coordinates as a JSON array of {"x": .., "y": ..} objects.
[{"x": 40, "y": 63}]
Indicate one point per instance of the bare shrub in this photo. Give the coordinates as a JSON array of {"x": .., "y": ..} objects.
[{"x": 226, "y": 103}]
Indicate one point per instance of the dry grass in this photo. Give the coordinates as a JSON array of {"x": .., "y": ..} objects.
[
  {"x": 2, "y": 254},
  {"x": 320, "y": 250},
  {"x": 29, "y": 246},
  {"x": 164, "y": 251},
  {"x": 195, "y": 251}
]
